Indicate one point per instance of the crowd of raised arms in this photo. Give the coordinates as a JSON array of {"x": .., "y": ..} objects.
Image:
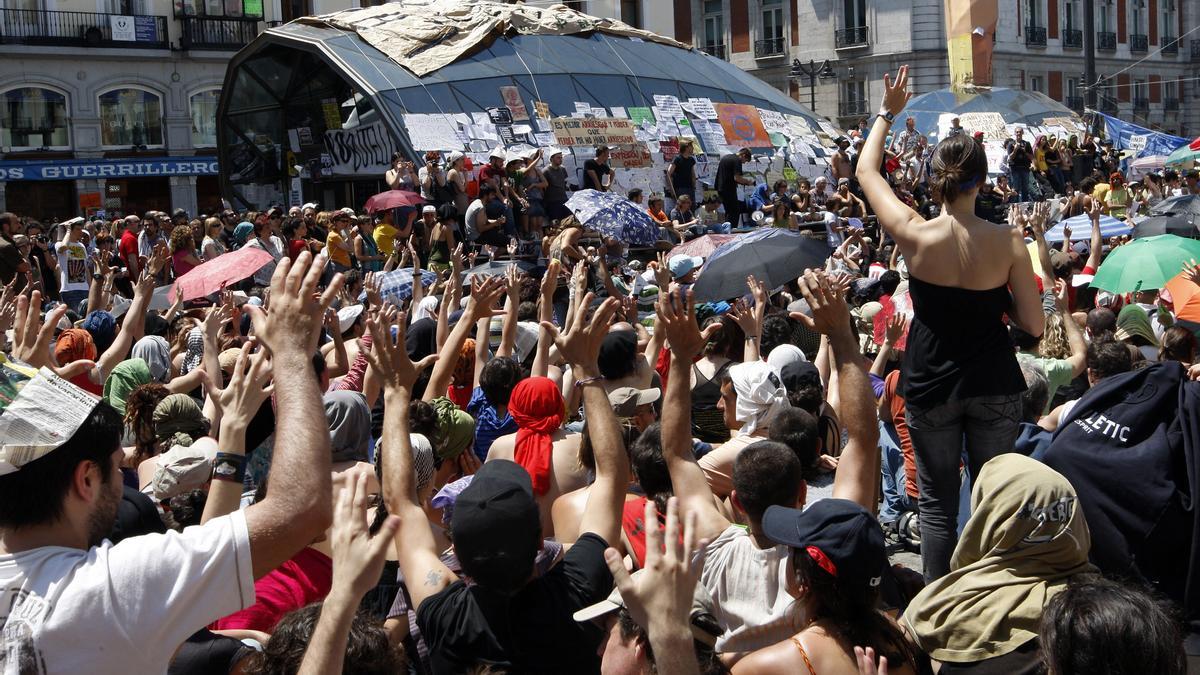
[{"x": 364, "y": 458}]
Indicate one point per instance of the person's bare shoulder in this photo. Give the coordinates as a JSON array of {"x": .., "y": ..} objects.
[{"x": 781, "y": 657}]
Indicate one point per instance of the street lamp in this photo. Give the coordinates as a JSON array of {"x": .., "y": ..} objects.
[{"x": 812, "y": 71}]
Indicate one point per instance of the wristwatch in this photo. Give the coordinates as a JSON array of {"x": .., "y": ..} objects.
[
  {"x": 96, "y": 276},
  {"x": 887, "y": 116}
]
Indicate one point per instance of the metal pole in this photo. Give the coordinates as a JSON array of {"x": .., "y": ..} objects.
[
  {"x": 1089, "y": 52},
  {"x": 812, "y": 85}
]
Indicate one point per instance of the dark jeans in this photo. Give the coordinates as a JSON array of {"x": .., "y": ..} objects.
[
  {"x": 493, "y": 237},
  {"x": 72, "y": 299},
  {"x": 1024, "y": 184},
  {"x": 733, "y": 211},
  {"x": 989, "y": 425}
]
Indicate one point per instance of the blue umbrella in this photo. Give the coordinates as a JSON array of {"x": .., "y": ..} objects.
[
  {"x": 614, "y": 216},
  {"x": 1081, "y": 228},
  {"x": 775, "y": 256},
  {"x": 396, "y": 286}
]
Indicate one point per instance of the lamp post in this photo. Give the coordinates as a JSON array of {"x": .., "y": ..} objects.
[{"x": 812, "y": 71}]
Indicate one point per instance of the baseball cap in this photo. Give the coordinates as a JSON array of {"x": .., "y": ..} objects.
[
  {"x": 429, "y": 208},
  {"x": 347, "y": 316},
  {"x": 797, "y": 375},
  {"x": 496, "y": 527},
  {"x": 618, "y": 352},
  {"x": 1061, "y": 263},
  {"x": 625, "y": 400},
  {"x": 682, "y": 264},
  {"x": 310, "y": 205},
  {"x": 840, "y": 536},
  {"x": 706, "y": 631},
  {"x": 843, "y": 181},
  {"x": 497, "y": 152}
]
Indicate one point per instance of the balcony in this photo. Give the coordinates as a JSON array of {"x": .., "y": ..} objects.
[
  {"x": 1141, "y": 104},
  {"x": 771, "y": 47},
  {"x": 1171, "y": 105},
  {"x": 1139, "y": 44},
  {"x": 852, "y": 108},
  {"x": 1106, "y": 42},
  {"x": 1072, "y": 38},
  {"x": 1035, "y": 36},
  {"x": 1195, "y": 51},
  {"x": 849, "y": 38},
  {"x": 82, "y": 29},
  {"x": 714, "y": 50},
  {"x": 211, "y": 33},
  {"x": 1170, "y": 46},
  {"x": 1075, "y": 103}
]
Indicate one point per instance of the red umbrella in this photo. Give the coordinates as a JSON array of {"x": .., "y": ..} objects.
[
  {"x": 216, "y": 274},
  {"x": 702, "y": 246},
  {"x": 393, "y": 199},
  {"x": 1194, "y": 145}
]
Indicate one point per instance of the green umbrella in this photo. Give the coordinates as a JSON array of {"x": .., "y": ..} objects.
[
  {"x": 1145, "y": 264},
  {"x": 1184, "y": 156}
]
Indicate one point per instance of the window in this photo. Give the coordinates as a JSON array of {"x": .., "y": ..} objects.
[
  {"x": 631, "y": 12},
  {"x": 1033, "y": 13},
  {"x": 203, "y": 107},
  {"x": 772, "y": 19},
  {"x": 714, "y": 28},
  {"x": 1166, "y": 9},
  {"x": 233, "y": 9},
  {"x": 1035, "y": 84},
  {"x": 854, "y": 98},
  {"x": 130, "y": 117},
  {"x": 1107, "y": 16},
  {"x": 1137, "y": 17},
  {"x": 854, "y": 13},
  {"x": 34, "y": 118},
  {"x": 1072, "y": 88},
  {"x": 1071, "y": 19}
]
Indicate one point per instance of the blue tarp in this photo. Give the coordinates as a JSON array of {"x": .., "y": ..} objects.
[{"x": 1157, "y": 143}]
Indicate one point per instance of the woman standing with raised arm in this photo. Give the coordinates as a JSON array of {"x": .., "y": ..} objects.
[{"x": 960, "y": 375}]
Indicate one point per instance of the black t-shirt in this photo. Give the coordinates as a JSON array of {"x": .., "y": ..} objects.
[
  {"x": 685, "y": 168},
  {"x": 530, "y": 632},
  {"x": 1022, "y": 155},
  {"x": 601, "y": 170},
  {"x": 728, "y": 168}
]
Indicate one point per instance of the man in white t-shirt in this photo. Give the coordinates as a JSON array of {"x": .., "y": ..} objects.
[
  {"x": 745, "y": 573},
  {"x": 72, "y": 602},
  {"x": 74, "y": 267}
]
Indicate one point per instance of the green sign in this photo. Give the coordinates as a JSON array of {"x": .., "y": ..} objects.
[
  {"x": 639, "y": 115},
  {"x": 253, "y": 8}
]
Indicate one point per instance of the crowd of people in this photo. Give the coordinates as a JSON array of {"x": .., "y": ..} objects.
[{"x": 566, "y": 463}]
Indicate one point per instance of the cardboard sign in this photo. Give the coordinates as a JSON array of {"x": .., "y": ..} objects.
[
  {"x": 579, "y": 131},
  {"x": 742, "y": 125},
  {"x": 542, "y": 109},
  {"x": 629, "y": 156}
]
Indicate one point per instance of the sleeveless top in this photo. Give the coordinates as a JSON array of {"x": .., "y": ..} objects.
[
  {"x": 958, "y": 345},
  {"x": 370, "y": 248}
]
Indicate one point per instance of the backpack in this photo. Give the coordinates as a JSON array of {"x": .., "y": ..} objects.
[{"x": 1131, "y": 449}]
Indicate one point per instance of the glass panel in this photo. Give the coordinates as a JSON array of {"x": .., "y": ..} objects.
[
  {"x": 275, "y": 69},
  {"x": 773, "y": 24},
  {"x": 233, "y": 7},
  {"x": 204, "y": 118},
  {"x": 34, "y": 118},
  {"x": 248, "y": 93},
  {"x": 714, "y": 31},
  {"x": 130, "y": 117}
]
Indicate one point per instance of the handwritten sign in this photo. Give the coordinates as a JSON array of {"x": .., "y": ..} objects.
[
  {"x": 512, "y": 101},
  {"x": 542, "y": 109},
  {"x": 990, "y": 123},
  {"x": 433, "y": 132},
  {"x": 576, "y": 131},
  {"x": 702, "y": 108},
  {"x": 362, "y": 151},
  {"x": 742, "y": 125},
  {"x": 629, "y": 156}
]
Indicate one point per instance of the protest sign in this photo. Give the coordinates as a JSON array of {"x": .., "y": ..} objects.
[
  {"x": 742, "y": 125},
  {"x": 629, "y": 156},
  {"x": 512, "y": 101},
  {"x": 575, "y": 131}
]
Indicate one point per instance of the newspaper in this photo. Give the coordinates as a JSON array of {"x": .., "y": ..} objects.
[{"x": 47, "y": 412}]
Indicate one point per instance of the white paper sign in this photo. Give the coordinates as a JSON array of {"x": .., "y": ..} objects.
[
  {"x": 1137, "y": 142},
  {"x": 123, "y": 28},
  {"x": 703, "y": 108},
  {"x": 432, "y": 132}
]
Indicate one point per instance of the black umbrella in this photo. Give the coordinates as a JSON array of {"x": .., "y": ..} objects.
[
  {"x": 1183, "y": 205},
  {"x": 773, "y": 255},
  {"x": 1181, "y": 226}
]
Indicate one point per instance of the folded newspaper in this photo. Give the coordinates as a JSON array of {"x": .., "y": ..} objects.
[{"x": 44, "y": 415}]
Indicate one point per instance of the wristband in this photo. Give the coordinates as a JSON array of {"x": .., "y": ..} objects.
[
  {"x": 751, "y": 337},
  {"x": 589, "y": 380},
  {"x": 229, "y": 467}
]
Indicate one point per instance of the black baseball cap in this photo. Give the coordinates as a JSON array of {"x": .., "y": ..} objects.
[
  {"x": 797, "y": 375},
  {"x": 496, "y": 526},
  {"x": 843, "y": 538}
]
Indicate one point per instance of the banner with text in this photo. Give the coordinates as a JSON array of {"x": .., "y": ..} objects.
[
  {"x": 361, "y": 151},
  {"x": 572, "y": 131}
]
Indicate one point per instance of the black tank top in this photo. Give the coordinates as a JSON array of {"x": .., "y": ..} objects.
[{"x": 958, "y": 345}]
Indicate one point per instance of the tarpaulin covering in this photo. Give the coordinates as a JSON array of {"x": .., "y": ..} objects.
[
  {"x": 1144, "y": 142},
  {"x": 1014, "y": 105}
]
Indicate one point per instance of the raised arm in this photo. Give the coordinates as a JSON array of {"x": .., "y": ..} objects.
[
  {"x": 1027, "y": 305},
  {"x": 483, "y": 298},
  {"x": 291, "y": 518},
  {"x": 416, "y": 549},
  {"x": 895, "y": 328},
  {"x": 894, "y": 215},
  {"x": 508, "y": 331},
  {"x": 237, "y": 404},
  {"x": 541, "y": 361},
  {"x": 132, "y": 330},
  {"x": 581, "y": 348},
  {"x": 1078, "y": 357},
  {"x": 1097, "y": 241},
  {"x": 857, "y": 477},
  {"x": 677, "y": 320}
]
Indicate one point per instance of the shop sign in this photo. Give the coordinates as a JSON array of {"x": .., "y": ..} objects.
[{"x": 74, "y": 169}]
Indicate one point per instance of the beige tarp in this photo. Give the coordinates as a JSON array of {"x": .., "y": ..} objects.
[{"x": 425, "y": 35}]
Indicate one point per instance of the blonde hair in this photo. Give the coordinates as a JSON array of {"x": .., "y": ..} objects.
[{"x": 1054, "y": 344}]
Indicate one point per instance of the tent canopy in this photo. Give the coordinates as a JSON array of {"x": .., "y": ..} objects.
[{"x": 1015, "y": 106}]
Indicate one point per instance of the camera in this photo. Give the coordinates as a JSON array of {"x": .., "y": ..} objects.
[{"x": 42, "y": 239}]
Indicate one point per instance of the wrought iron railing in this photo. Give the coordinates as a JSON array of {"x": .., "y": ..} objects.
[
  {"x": 769, "y": 47},
  {"x": 1106, "y": 42},
  {"x": 202, "y": 32},
  {"x": 856, "y": 36},
  {"x": 1035, "y": 36},
  {"x": 714, "y": 50},
  {"x": 82, "y": 29},
  {"x": 1072, "y": 38},
  {"x": 1139, "y": 44}
]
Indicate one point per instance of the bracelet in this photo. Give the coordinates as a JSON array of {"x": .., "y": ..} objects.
[
  {"x": 751, "y": 337},
  {"x": 229, "y": 467},
  {"x": 589, "y": 380}
]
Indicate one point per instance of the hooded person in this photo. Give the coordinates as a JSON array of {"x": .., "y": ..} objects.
[
  {"x": 760, "y": 395},
  {"x": 103, "y": 327},
  {"x": 538, "y": 409},
  {"x": 1133, "y": 326},
  {"x": 241, "y": 233},
  {"x": 125, "y": 377},
  {"x": 456, "y": 429},
  {"x": 156, "y": 352},
  {"x": 76, "y": 344},
  {"x": 349, "y": 421},
  {"x": 178, "y": 420},
  {"x": 1025, "y": 541},
  {"x": 194, "y": 355}
]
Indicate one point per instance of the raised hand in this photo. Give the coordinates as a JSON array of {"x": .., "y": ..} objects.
[
  {"x": 677, "y": 320},
  {"x": 895, "y": 96},
  {"x": 389, "y": 355},
  {"x": 512, "y": 277},
  {"x": 1095, "y": 211},
  {"x": 662, "y": 272},
  {"x": 372, "y": 285},
  {"x": 32, "y": 335},
  {"x": 830, "y": 314},
  {"x": 484, "y": 295},
  {"x": 248, "y": 388},
  {"x": 895, "y": 328},
  {"x": 357, "y": 556},
  {"x": 866, "y": 662},
  {"x": 215, "y": 319},
  {"x": 580, "y": 346},
  {"x": 293, "y": 324},
  {"x": 550, "y": 281},
  {"x": 1191, "y": 271}
]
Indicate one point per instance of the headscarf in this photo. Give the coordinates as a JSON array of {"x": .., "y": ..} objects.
[
  {"x": 427, "y": 308},
  {"x": 155, "y": 351},
  {"x": 456, "y": 429},
  {"x": 785, "y": 354},
  {"x": 464, "y": 370},
  {"x": 103, "y": 328},
  {"x": 536, "y": 405},
  {"x": 349, "y": 425},
  {"x": 178, "y": 420},
  {"x": 242, "y": 232},
  {"x": 127, "y": 376},
  {"x": 1025, "y": 540},
  {"x": 195, "y": 351},
  {"x": 1133, "y": 321},
  {"x": 74, "y": 344},
  {"x": 448, "y": 496},
  {"x": 760, "y": 395}
]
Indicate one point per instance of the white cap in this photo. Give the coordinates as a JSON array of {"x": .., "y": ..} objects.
[
  {"x": 454, "y": 157},
  {"x": 497, "y": 152},
  {"x": 310, "y": 205},
  {"x": 429, "y": 208},
  {"x": 552, "y": 151},
  {"x": 347, "y": 316}
]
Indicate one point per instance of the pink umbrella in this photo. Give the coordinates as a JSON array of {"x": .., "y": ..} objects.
[
  {"x": 216, "y": 274},
  {"x": 393, "y": 199},
  {"x": 702, "y": 246}
]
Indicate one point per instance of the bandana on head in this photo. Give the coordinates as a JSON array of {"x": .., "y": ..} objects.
[
  {"x": 456, "y": 429},
  {"x": 195, "y": 351},
  {"x": 537, "y": 407},
  {"x": 155, "y": 351},
  {"x": 127, "y": 376},
  {"x": 74, "y": 344},
  {"x": 178, "y": 420}
]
